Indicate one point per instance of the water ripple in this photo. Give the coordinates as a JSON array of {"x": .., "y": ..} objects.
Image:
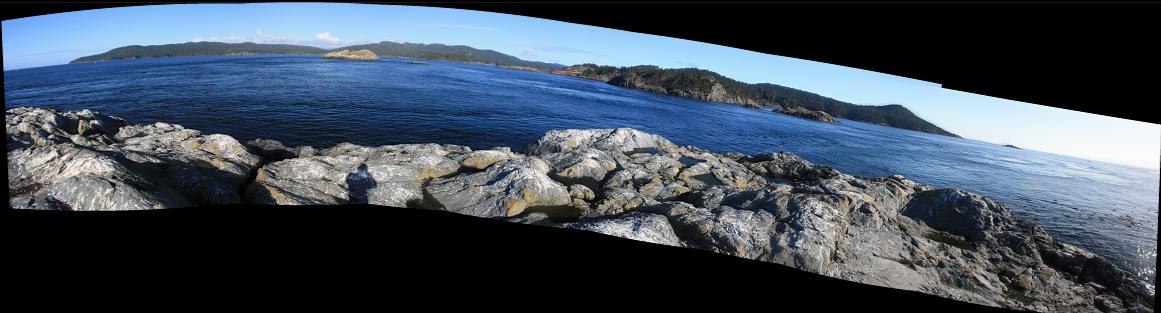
[{"x": 305, "y": 100}]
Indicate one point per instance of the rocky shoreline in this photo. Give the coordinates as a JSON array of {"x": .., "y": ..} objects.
[{"x": 773, "y": 207}]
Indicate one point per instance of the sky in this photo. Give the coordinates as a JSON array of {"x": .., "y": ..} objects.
[{"x": 59, "y": 38}]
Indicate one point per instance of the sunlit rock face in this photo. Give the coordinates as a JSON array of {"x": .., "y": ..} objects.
[
  {"x": 89, "y": 161},
  {"x": 392, "y": 175}
]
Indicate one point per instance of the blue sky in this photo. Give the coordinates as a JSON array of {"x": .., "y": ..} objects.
[{"x": 59, "y": 38}]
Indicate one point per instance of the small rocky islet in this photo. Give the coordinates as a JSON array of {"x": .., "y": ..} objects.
[
  {"x": 773, "y": 207},
  {"x": 356, "y": 55}
]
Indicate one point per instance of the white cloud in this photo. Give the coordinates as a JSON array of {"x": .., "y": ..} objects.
[
  {"x": 269, "y": 38},
  {"x": 323, "y": 39},
  {"x": 326, "y": 37}
]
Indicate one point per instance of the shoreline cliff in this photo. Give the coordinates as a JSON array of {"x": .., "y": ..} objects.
[{"x": 772, "y": 207}]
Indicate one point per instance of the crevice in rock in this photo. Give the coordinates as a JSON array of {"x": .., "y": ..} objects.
[
  {"x": 949, "y": 239},
  {"x": 25, "y": 190},
  {"x": 251, "y": 178},
  {"x": 590, "y": 182}
]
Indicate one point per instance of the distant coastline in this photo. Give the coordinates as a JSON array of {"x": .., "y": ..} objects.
[
  {"x": 196, "y": 49},
  {"x": 687, "y": 82}
]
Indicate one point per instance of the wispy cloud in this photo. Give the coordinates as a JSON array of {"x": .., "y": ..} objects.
[
  {"x": 326, "y": 37},
  {"x": 528, "y": 53},
  {"x": 462, "y": 26},
  {"x": 560, "y": 49},
  {"x": 321, "y": 39},
  {"x": 267, "y": 37}
]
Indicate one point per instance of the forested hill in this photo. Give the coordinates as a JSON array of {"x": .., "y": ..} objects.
[
  {"x": 706, "y": 85},
  {"x": 449, "y": 53},
  {"x": 196, "y": 49},
  {"x": 686, "y": 82}
]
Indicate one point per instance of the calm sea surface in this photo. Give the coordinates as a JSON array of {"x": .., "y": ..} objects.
[{"x": 305, "y": 100}]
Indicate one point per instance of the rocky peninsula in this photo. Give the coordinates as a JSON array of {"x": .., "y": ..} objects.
[
  {"x": 808, "y": 114},
  {"x": 799, "y": 112},
  {"x": 707, "y": 85},
  {"x": 357, "y": 55},
  {"x": 773, "y": 207}
]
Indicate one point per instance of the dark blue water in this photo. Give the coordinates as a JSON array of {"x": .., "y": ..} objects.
[{"x": 305, "y": 100}]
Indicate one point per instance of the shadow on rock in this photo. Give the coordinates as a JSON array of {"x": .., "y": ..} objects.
[{"x": 358, "y": 183}]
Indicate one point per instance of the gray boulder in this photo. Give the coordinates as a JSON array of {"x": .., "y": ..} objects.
[
  {"x": 619, "y": 140},
  {"x": 72, "y": 177},
  {"x": 504, "y": 189},
  {"x": 640, "y": 226},
  {"x": 208, "y": 169},
  {"x": 616, "y": 201},
  {"x": 787, "y": 166},
  {"x": 481, "y": 159},
  {"x": 37, "y": 126},
  {"x": 581, "y": 192},
  {"x": 203, "y": 169},
  {"x": 586, "y": 166},
  {"x": 957, "y": 212},
  {"x": 391, "y": 175},
  {"x": 715, "y": 170},
  {"x": 730, "y": 231},
  {"x": 274, "y": 151}
]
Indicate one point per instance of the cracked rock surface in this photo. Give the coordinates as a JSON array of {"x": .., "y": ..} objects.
[{"x": 773, "y": 207}]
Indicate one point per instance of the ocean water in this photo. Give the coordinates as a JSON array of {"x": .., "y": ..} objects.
[{"x": 305, "y": 100}]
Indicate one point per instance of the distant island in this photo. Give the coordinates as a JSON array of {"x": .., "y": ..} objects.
[
  {"x": 683, "y": 82},
  {"x": 464, "y": 54},
  {"x": 1011, "y": 146},
  {"x": 196, "y": 49}
]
